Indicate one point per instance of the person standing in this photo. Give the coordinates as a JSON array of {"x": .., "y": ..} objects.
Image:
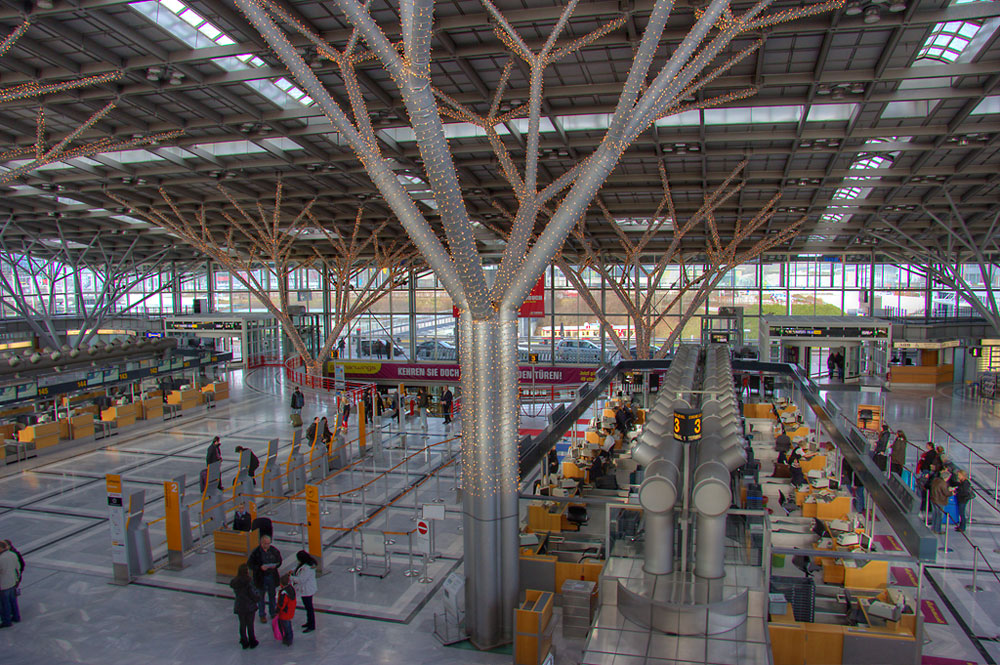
[
  {"x": 214, "y": 454},
  {"x": 264, "y": 562},
  {"x": 927, "y": 458},
  {"x": 298, "y": 401},
  {"x": 312, "y": 431},
  {"x": 897, "y": 456},
  {"x": 9, "y": 579},
  {"x": 304, "y": 582},
  {"x": 340, "y": 348},
  {"x": 244, "y": 605},
  {"x": 252, "y": 465},
  {"x": 831, "y": 364},
  {"x": 446, "y": 401},
  {"x": 347, "y": 411},
  {"x": 840, "y": 366},
  {"x": 940, "y": 493},
  {"x": 963, "y": 494},
  {"x": 286, "y": 610},
  {"x": 881, "y": 445},
  {"x": 242, "y": 520},
  {"x": 324, "y": 431},
  {"x": 20, "y": 566},
  {"x": 367, "y": 400}
]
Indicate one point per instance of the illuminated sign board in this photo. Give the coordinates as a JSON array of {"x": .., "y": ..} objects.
[
  {"x": 205, "y": 325},
  {"x": 687, "y": 424},
  {"x": 826, "y": 331}
]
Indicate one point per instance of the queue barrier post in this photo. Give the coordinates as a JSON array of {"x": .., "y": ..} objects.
[{"x": 410, "y": 570}]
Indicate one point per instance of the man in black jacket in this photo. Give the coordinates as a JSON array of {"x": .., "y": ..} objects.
[
  {"x": 446, "y": 401},
  {"x": 264, "y": 562},
  {"x": 214, "y": 454},
  {"x": 298, "y": 401}
]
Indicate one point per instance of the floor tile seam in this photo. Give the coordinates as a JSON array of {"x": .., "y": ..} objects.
[
  {"x": 222, "y": 595},
  {"x": 63, "y": 537},
  {"x": 83, "y": 485},
  {"x": 959, "y": 619}
]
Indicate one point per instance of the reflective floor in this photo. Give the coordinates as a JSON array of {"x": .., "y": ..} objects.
[{"x": 55, "y": 514}]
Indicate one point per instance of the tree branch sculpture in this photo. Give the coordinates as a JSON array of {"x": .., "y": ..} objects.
[
  {"x": 656, "y": 84},
  {"x": 636, "y": 284},
  {"x": 267, "y": 239},
  {"x": 41, "y": 152},
  {"x": 943, "y": 252},
  {"x": 55, "y": 267}
]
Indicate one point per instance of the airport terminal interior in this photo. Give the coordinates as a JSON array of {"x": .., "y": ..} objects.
[{"x": 483, "y": 331}]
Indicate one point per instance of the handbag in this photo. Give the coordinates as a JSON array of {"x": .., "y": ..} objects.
[{"x": 276, "y": 628}]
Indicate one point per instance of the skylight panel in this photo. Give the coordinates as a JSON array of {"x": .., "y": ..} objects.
[
  {"x": 193, "y": 29},
  {"x": 847, "y": 193},
  {"x": 947, "y": 40}
]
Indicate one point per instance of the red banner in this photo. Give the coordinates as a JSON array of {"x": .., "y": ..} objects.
[
  {"x": 450, "y": 373},
  {"x": 533, "y": 306}
]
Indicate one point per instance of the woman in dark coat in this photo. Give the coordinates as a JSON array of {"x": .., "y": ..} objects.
[{"x": 245, "y": 605}]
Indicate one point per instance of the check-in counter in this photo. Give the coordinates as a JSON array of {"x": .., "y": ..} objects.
[
  {"x": 543, "y": 570},
  {"x": 76, "y": 427},
  {"x": 42, "y": 436},
  {"x": 870, "y": 575},
  {"x": 801, "y": 643},
  {"x": 187, "y": 399},
  {"x": 220, "y": 388},
  {"x": 150, "y": 409},
  {"x": 758, "y": 410},
  {"x": 122, "y": 416},
  {"x": 232, "y": 548},
  {"x": 921, "y": 374}
]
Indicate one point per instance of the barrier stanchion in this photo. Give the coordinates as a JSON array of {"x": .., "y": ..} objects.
[
  {"x": 410, "y": 570},
  {"x": 291, "y": 509},
  {"x": 437, "y": 485},
  {"x": 355, "y": 567},
  {"x": 424, "y": 577}
]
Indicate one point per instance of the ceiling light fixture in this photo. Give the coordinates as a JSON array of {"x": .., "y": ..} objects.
[
  {"x": 43, "y": 4},
  {"x": 872, "y": 14}
]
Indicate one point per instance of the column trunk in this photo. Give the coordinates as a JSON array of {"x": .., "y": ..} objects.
[{"x": 490, "y": 475}]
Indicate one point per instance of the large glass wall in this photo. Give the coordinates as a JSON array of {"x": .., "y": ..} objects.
[{"x": 417, "y": 317}]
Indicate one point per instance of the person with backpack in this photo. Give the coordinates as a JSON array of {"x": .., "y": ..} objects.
[
  {"x": 245, "y": 602},
  {"x": 304, "y": 583},
  {"x": 286, "y": 609},
  {"x": 446, "y": 401},
  {"x": 214, "y": 454}
]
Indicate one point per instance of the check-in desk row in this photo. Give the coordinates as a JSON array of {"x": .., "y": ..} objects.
[
  {"x": 88, "y": 420},
  {"x": 829, "y": 640}
]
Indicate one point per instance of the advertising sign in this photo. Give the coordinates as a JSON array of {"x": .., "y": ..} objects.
[
  {"x": 450, "y": 373},
  {"x": 533, "y": 306}
]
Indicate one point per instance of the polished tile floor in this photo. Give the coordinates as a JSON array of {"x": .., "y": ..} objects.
[{"x": 54, "y": 512}]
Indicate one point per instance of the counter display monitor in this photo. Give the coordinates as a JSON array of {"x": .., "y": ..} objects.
[
  {"x": 720, "y": 338},
  {"x": 205, "y": 325},
  {"x": 8, "y": 393},
  {"x": 828, "y": 331},
  {"x": 95, "y": 378},
  {"x": 27, "y": 390}
]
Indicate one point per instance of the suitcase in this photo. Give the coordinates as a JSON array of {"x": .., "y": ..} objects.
[{"x": 296, "y": 420}]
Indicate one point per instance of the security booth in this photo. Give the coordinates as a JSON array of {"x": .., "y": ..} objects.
[
  {"x": 809, "y": 341},
  {"x": 246, "y": 336}
]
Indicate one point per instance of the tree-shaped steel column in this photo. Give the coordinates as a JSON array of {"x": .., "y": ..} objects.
[{"x": 489, "y": 310}]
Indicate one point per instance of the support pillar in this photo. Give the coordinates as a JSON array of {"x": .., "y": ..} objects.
[{"x": 489, "y": 470}]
